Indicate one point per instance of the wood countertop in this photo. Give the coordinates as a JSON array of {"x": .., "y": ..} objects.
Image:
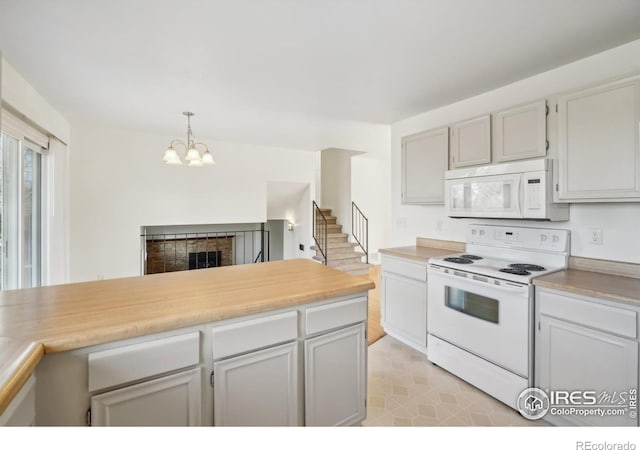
[
  {"x": 65, "y": 317},
  {"x": 417, "y": 253},
  {"x": 18, "y": 359},
  {"x": 593, "y": 284}
]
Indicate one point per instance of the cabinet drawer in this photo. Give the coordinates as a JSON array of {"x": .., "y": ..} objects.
[
  {"x": 334, "y": 315},
  {"x": 134, "y": 362},
  {"x": 246, "y": 335},
  {"x": 595, "y": 315},
  {"x": 415, "y": 270}
]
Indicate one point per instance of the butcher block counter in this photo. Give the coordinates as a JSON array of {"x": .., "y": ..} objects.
[{"x": 53, "y": 319}]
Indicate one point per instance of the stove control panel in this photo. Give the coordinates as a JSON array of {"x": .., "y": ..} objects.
[{"x": 552, "y": 240}]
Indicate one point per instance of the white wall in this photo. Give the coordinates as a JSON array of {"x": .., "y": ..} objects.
[
  {"x": 119, "y": 183},
  {"x": 619, "y": 222},
  {"x": 18, "y": 93},
  {"x": 336, "y": 185},
  {"x": 370, "y": 191}
]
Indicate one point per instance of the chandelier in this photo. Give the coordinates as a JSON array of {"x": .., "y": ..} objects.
[{"x": 192, "y": 155}]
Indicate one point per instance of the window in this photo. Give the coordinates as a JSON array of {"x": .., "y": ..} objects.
[{"x": 21, "y": 207}]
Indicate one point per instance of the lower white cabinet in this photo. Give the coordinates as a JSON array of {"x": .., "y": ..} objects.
[
  {"x": 258, "y": 388},
  {"x": 21, "y": 412},
  {"x": 573, "y": 356},
  {"x": 335, "y": 377},
  {"x": 173, "y": 400},
  {"x": 246, "y": 371},
  {"x": 404, "y": 302}
]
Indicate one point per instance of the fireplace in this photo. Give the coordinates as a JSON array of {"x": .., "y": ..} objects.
[{"x": 204, "y": 260}]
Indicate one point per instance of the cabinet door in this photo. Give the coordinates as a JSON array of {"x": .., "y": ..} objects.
[
  {"x": 576, "y": 358},
  {"x": 335, "y": 377},
  {"x": 258, "y": 389},
  {"x": 173, "y": 400},
  {"x": 424, "y": 161},
  {"x": 598, "y": 148},
  {"x": 404, "y": 309},
  {"x": 471, "y": 142},
  {"x": 521, "y": 132}
]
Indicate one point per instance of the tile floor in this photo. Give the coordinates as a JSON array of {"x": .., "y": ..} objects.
[{"x": 405, "y": 389}]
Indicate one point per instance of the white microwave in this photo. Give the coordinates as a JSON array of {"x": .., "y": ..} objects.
[{"x": 514, "y": 190}]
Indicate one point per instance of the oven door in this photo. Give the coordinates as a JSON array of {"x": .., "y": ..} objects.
[
  {"x": 475, "y": 314},
  {"x": 496, "y": 196}
]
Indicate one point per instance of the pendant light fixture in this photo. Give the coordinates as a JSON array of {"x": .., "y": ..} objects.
[{"x": 192, "y": 156}]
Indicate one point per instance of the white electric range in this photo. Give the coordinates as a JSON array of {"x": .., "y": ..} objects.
[{"x": 480, "y": 305}]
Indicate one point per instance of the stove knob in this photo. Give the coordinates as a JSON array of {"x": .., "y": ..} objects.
[
  {"x": 543, "y": 237},
  {"x": 555, "y": 238},
  {"x": 474, "y": 231},
  {"x": 481, "y": 232}
]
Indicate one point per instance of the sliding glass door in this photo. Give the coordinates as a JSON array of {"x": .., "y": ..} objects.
[{"x": 21, "y": 213}]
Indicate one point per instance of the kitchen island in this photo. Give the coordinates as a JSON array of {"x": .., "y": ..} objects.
[{"x": 89, "y": 340}]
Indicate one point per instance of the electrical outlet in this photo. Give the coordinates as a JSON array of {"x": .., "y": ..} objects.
[
  {"x": 401, "y": 222},
  {"x": 595, "y": 236},
  {"x": 439, "y": 225}
]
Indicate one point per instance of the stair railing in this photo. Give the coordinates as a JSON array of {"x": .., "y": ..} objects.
[
  {"x": 320, "y": 226},
  {"x": 360, "y": 229}
]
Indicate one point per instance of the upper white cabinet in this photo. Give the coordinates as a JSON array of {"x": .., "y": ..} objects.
[
  {"x": 471, "y": 142},
  {"x": 521, "y": 132},
  {"x": 598, "y": 148},
  {"x": 424, "y": 161}
]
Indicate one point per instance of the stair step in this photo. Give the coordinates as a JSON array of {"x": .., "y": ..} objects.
[
  {"x": 330, "y": 219},
  {"x": 339, "y": 256},
  {"x": 339, "y": 263},
  {"x": 325, "y": 211},
  {"x": 341, "y": 253},
  {"x": 337, "y": 245},
  {"x": 334, "y": 228},
  {"x": 359, "y": 268},
  {"x": 336, "y": 237}
]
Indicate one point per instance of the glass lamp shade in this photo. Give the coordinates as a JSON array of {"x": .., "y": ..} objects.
[
  {"x": 207, "y": 158},
  {"x": 195, "y": 163},
  {"x": 171, "y": 156},
  {"x": 193, "y": 155}
]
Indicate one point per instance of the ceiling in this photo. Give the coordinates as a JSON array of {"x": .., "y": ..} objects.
[{"x": 251, "y": 69}]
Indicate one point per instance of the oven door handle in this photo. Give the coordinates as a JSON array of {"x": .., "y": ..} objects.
[{"x": 503, "y": 286}]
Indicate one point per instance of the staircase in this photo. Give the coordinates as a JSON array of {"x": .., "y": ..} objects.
[{"x": 341, "y": 253}]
